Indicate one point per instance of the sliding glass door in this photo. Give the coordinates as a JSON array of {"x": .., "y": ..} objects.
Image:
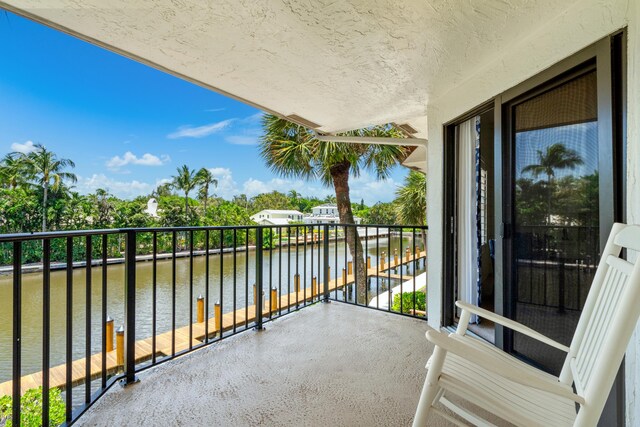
[{"x": 556, "y": 217}]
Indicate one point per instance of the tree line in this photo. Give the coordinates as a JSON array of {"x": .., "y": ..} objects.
[{"x": 37, "y": 193}]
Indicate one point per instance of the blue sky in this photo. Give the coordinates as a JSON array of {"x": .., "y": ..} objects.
[{"x": 127, "y": 126}]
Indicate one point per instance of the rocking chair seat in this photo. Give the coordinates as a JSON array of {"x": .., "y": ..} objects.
[
  {"x": 519, "y": 404},
  {"x": 523, "y": 395}
]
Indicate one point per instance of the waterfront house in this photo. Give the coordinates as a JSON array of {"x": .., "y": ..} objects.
[
  {"x": 326, "y": 214},
  {"x": 276, "y": 217},
  {"x": 491, "y": 92}
]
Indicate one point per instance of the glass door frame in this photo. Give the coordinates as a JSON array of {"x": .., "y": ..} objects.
[
  {"x": 609, "y": 58},
  {"x": 596, "y": 57}
]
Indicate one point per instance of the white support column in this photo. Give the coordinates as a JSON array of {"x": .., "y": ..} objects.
[
  {"x": 632, "y": 360},
  {"x": 435, "y": 210}
]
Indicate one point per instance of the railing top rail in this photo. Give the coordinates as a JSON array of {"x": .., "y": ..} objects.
[
  {"x": 13, "y": 237},
  {"x": 7, "y": 238}
]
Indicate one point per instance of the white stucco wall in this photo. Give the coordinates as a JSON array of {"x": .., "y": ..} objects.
[
  {"x": 633, "y": 193},
  {"x": 580, "y": 26}
]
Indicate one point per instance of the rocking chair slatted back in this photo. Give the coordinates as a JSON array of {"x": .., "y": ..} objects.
[{"x": 607, "y": 322}]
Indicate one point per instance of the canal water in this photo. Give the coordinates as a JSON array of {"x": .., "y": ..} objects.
[{"x": 229, "y": 275}]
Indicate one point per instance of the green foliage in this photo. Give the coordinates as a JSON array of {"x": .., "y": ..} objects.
[
  {"x": 31, "y": 408},
  {"x": 380, "y": 213},
  {"x": 407, "y": 301},
  {"x": 21, "y": 210},
  {"x": 227, "y": 213},
  {"x": 411, "y": 200},
  {"x": 268, "y": 239},
  {"x": 273, "y": 200},
  {"x": 568, "y": 200},
  {"x": 24, "y": 181}
]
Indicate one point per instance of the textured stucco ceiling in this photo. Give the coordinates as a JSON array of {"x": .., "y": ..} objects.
[{"x": 342, "y": 65}]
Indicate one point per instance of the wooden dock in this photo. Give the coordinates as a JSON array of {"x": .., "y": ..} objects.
[{"x": 164, "y": 341}]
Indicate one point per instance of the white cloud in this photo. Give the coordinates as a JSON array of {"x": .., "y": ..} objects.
[
  {"x": 200, "y": 131},
  {"x": 372, "y": 190},
  {"x": 122, "y": 189},
  {"x": 248, "y": 132},
  {"x": 129, "y": 158},
  {"x": 25, "y": 148},
  {"x": 214, "y": 110},
  {"x": 227, "y": 187},
  {"x": 254, "y": 118}
]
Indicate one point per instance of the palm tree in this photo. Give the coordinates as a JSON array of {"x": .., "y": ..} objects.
[
  {"x": 162, "y": 190},
  {"x": 12, "y": 170},
  {"x": 294, "y": 196},
  {"x": 291, "y": 150},
  {"x": 104, "y": 208},
  {"x": 411, "y": 201},
  {"x": 556, "y": 156},
  {"x": 186, "y": 180},
  {"x": 330, "y": 199},
  {"x": 205, "y": 179},
  {"x": 47, "y": 170}
]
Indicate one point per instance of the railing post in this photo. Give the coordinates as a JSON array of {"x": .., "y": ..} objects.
[
  {"x": 327, "y": 268},
  {"x": 17, "y": 330},
  {"x": 130, "y": 310},
  {"x": 259, "y": 261}
]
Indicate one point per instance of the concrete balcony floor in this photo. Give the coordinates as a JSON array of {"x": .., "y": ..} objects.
[{"x": 328, "y": 364}]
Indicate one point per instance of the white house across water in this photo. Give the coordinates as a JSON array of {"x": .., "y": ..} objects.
[{"x": 276, "y": 217}]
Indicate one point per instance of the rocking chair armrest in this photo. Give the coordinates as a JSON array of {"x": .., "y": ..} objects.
[
  {"x": 511, "y": 324},
  {"x": 490, "y": 363}
]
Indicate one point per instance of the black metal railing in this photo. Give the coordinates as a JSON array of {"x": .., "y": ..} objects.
[
  {"x": 62, "y": 292},
  {"x": 556, "y": 265}
]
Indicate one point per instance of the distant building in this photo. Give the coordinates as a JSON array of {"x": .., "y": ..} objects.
[
  {"x": 326, "y": 214},
  {"x": 152, "y": 208},
  {"x": 277, "y": 217}
]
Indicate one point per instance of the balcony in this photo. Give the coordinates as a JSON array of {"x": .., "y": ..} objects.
[
  {"x": 84, "y": 310},
  {"x": 334, "y": 364}
]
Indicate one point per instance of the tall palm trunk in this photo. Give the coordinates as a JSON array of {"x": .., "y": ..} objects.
[
  {"x": 186, "y": 205},
  {"x": 340, "y": 176},
  {"x": 44, "y": 206}
]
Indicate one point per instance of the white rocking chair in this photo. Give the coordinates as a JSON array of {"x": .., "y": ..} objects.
[{"x": 523, "y": 395}]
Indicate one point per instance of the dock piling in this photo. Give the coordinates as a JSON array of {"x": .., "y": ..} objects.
[
  {"x": 120, "y": 346},
  {"x": 217, "y": 312},
  {"x": 109, "y": 333},
  {"x": 274, "y": 300},
  {"x": 200, "y": 304}
]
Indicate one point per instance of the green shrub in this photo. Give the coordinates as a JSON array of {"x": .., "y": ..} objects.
[
  {"x": 407, "y": 301},
  {"x": 31, "y": 408}
]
